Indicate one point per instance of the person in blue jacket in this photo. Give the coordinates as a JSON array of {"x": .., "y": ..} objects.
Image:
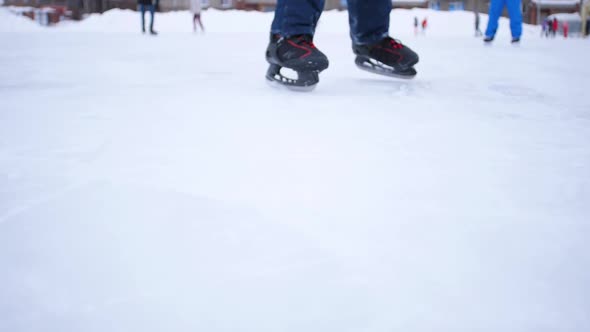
[{"x": 514, "y": 11}]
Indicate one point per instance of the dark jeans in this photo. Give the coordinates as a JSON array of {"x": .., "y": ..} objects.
[
  {"x": 143, "y": 9},
  {"x": 368, "y": 19}
]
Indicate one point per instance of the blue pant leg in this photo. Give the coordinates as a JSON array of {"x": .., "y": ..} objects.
[
  {"x": 369, "y": 20},
  {"x": 301, "y": 16},
  {"x": 277, "y": 22},
  {"x": 515, "y": 12},
  {"x": 152, "y": 11},
  {"x": 496, "y": 7},
  {"x": 142, "y": 14}
]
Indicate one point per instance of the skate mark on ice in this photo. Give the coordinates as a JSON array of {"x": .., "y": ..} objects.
[
  {"x": 397, "y": 86},
  {"x": 31, "y": 204},
  {"x": 515, "y": 91}
]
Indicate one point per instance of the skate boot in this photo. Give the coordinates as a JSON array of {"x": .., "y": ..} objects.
[
  {"x": 387, "y": 57},
  {"x": 488, "y": 39},
  {"x": 299, "y": 54}
]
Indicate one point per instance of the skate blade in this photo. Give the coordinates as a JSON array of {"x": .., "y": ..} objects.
[
  {"x": 280, "y": 86},
  {"x": 384, "y": 70},
  {"x": 304, "y": 83}
]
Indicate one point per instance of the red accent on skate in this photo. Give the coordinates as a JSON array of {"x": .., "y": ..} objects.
[
  {"x": 395, "y": 44},
  {"x": 308, "y": 51},
  {"x": 401, "y": 57}
]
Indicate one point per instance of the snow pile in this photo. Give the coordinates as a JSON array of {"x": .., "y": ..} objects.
[
  {"x": 124, "y": 20},
  {"x": 11, "y": 20},
  {"x": 575, "y": 17},
  {"x": 457, "y": 23},
  {"x": 556, "y": 3}
]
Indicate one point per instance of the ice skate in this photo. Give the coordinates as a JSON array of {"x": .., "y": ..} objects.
[
  {"x": 387, "y": 57},
  {"x": 299, "y": 54}
]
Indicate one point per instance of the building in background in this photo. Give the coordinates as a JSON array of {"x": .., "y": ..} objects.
[{"x": 535, "y": 11}]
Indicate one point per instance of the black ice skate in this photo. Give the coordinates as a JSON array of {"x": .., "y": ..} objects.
[
  {"x": 387, "y": 57},
  {"x": 299, "y": 54}
]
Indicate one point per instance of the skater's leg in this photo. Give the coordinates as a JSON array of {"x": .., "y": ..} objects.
[
  {"x": 297, "y": 17},
  {"x": 194, "y": 22},
  {"x": 277, "y": 22},
  {"x": 515, "y": 13},
  {"x": 201, "y": 23},
  {"x": 152, "y": 11},
  {"x": 142, "y": 14},
  {"x": 496, "y": 7},
  {"x": 369, "y": 20},
  {"x": 375, "y": 50}
]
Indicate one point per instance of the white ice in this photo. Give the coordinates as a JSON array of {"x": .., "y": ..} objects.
[{"x": 159, "y": 184}]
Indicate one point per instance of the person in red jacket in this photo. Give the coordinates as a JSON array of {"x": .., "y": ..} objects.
[
  {"x": 424, "y": 24},
  {"x": 566, "y": 28},
  {"x": 555, "y": 26}
]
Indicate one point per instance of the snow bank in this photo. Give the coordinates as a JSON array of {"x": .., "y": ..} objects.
[
  {"x": 125, "y": 20},
  {"x": 457, "y": 23},
  {"x": 13, "y": 21},
  {"x": 556, "y": 3}
]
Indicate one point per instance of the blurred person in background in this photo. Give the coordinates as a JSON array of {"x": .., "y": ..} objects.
[
  {"x": 147, "y": 5},
  {"x": 196, "y": 7},
  {"x": 415, "y": 25},
  {"x": 585, "y": 11},
  {"x": 477, "y": 21},
  {"x": 515, "y": 13},
  {"x": 544, "y": 29}
]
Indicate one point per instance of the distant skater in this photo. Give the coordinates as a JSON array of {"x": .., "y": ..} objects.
[
  {"x": 424, "y": 24},
  {"x": 196, "y": 10},
  {"x": 549, "y": 28},
  {"x": 477, "y": 21},
  {"x": 143, "y": 6},
  {"x": 544, "y": 29},
  {"x": 415, "y": 26},
  {"x": 515, "y": 13}
]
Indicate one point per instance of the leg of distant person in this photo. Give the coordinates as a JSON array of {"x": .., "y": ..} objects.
[
  {"x": 515, "y": 13},
  {"x": 200, "y": 20},
  {"x": 142, "y": 14},
  {"x": 496, "y": 7},
  {"x": 152, "y": 13}
]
